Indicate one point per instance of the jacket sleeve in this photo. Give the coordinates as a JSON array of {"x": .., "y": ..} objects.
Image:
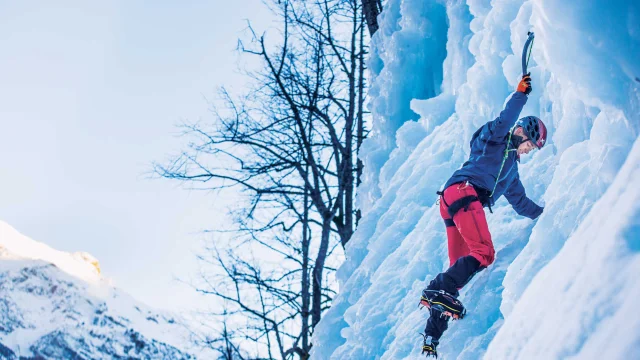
[
  {"x": 508, "y": 117},
  {"x": 521, "y": 203}
]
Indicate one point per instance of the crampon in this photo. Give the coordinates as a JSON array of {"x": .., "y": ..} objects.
[
  {"x": 429, "y": 346},
  {"x": 444, "y": 303}
]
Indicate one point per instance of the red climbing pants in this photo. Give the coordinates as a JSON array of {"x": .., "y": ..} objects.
[{"x": 469, "y": 232}]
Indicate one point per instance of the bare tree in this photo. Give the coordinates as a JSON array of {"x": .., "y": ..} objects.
[{"x": 290, "y": 146}]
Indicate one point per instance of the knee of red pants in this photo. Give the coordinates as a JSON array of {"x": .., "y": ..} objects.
[{"x": 485, "y": 258}]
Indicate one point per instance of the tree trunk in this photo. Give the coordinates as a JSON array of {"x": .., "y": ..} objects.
[
  {"x": 305, "y": 273},
  {"x": 371, "y": 10},
  {"x": 360, "y": 120},
  {"x": 318, "y": 270},
  {"x": 349, "y": 127}
]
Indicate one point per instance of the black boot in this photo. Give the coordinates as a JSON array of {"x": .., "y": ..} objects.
[
  {"x": 429, "y": 346},
  {"x": 442, "y": 291},
  {"x": 441, "y": 302}
]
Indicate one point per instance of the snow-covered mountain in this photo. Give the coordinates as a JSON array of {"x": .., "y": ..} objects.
[
  {"x": 562, "y": 287},
  {"x": 56, "y": 305}
]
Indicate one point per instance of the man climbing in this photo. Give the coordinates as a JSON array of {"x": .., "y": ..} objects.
[{"x": 490, "y": 172}]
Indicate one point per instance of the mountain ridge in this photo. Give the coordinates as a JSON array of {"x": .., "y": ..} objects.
[{"x": 58, "y": 305}]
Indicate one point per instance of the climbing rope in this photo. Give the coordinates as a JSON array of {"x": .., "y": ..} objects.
[{"x": 504, "y": 159}]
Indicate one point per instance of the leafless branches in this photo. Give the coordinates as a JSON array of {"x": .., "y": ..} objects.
[{"x": 290, "y": 146}]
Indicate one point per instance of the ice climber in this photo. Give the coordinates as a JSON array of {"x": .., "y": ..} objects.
[{"x": 490, "y": 172}]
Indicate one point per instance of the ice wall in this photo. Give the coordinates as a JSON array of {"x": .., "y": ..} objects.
[{"x": 584, "y": 68}]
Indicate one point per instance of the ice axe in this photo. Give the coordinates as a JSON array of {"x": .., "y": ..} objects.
[{"x": 526, "y": 53}]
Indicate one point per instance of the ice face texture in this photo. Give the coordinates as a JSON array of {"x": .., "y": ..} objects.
[{"x": 561, "y": 287}]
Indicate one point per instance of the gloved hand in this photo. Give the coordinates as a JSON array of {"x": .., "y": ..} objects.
[{"x": 525, "y": 84}]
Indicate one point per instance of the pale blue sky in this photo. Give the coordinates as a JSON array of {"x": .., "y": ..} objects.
[{"x": 89, "y": 95}]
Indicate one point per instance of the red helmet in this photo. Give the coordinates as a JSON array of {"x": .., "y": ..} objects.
[{"x": 535, "y": 130}]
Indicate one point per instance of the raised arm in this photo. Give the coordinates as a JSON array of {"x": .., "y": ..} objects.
[{"x": 508, "y": 117}]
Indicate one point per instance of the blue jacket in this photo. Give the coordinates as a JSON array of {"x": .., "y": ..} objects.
[{"x": 487, "y": 152}]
